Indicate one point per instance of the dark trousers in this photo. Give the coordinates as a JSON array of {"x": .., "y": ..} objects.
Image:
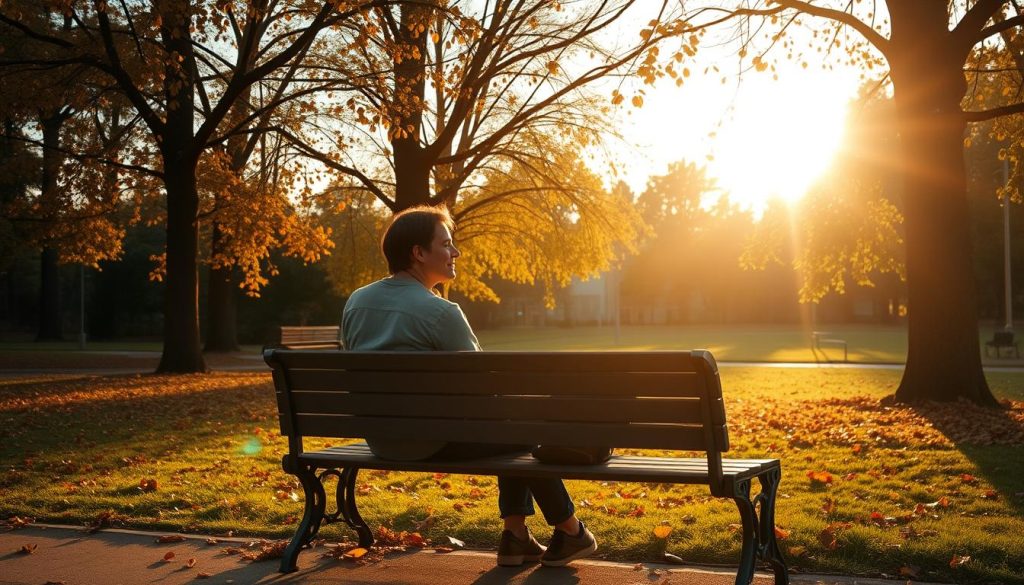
[{"x": 516, "y": 494}]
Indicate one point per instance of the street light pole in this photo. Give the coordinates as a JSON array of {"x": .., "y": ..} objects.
[
  {"x": 1007, "y": 285},
  {"x": 81, "y": 306}
]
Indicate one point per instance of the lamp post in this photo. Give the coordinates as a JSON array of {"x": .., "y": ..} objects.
[
  {"x": 81, "y": 306},
  {"x": 1007, "y": 286}
]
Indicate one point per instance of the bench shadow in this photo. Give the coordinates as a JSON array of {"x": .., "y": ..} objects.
[{"x": 992, "y": 439}]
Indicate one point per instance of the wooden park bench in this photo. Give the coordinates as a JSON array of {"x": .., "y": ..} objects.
[
  {"x": 668, "y": 400},
  {"x": 1000, "y": 340},
  {"x": 311, "y": 336},
  {"x": 820, "y": 337}
]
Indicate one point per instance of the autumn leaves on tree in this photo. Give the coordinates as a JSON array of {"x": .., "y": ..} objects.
[
  {"x": 298, "y": 125},
  {"x": 227, "y": 96}
]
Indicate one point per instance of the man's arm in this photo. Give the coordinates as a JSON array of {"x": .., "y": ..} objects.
[{"x": 453, "y": 332}]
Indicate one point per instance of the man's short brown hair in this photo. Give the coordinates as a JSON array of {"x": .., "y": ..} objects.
[{"x": 412, "y": 227}]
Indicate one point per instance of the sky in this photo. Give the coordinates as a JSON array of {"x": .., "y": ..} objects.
[{"x": 758, "y": 137}]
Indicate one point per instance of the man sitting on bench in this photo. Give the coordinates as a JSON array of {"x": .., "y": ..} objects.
[{"x": 403, "y": 313}]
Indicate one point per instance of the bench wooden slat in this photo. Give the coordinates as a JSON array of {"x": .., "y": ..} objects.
[
  {"x": 492, "y": 361},
  {"x": 560, "y": 408},
  {"x": 685, "y": 438},
  {"x": 489, "y": 383},
  {"x": 620, "y": 468},
  {"x": 360, "y": 451}
]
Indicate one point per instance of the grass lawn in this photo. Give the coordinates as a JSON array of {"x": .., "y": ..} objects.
[
  {"x": 901, "y": 490},
  {"x": 755, "y": 343}
]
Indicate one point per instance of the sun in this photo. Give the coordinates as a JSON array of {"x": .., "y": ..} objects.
[{"x": 777, "y": 143}]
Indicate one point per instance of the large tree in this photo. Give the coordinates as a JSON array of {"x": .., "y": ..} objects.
[
  {"x": 49, "y": 111},
  {"x": 489, "y": 108},
  {"x": 152, "y": 51},
  {"x": 924, "y": 46}
]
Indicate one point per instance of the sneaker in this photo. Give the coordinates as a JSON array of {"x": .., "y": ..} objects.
[
  {"x": 564, "y": 549},
  {"x": 513, "y": 551}
]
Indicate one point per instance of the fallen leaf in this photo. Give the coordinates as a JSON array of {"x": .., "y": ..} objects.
[
  {"x": 638, "y": 567},
  {"x": 990, "y": 495},
  {"x": 456, "y": 543},
  {"x": 820, "y": 477},
  {"x": 968, "y": 478},
  {"x": 355, "y": 553},
  {"x": 662, "y": 530},
  {"x": 169, "y": 555},
  {"x": 781, "y": 534},
  {"x": 191, "y": 562},
  {"x": 958, "y": 561},
  {"x": 829, "y": 506},
  {"x": 147, "y": 485},
  {"x": 204, "y": 575},
  {"x": 27, "y": 549},
  {"x": 672, "y": 559},
  {"x": 211, "y": 541},
  {"x": 797, "y": 551},
  {"x": 170, "y": 538}
]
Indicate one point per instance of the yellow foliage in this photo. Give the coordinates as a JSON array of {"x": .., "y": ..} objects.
[{"x": 545, "y": 229}]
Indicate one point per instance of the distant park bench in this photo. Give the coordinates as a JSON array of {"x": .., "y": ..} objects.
[
  {"x": 820, "y": 337},
  {"x": 1001, "y": 339},
  {"x": 311, "y": 337},
  {"x": 665, "y": 400}
]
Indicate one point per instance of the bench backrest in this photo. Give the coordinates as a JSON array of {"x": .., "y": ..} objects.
[
  {"x": 654, "y": 400},
  {"x": 1002, "y": 338},
  {"x": 311, "y": 336}
]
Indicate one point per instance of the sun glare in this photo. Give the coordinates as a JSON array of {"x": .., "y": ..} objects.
[{"x": 777, "y": 143}]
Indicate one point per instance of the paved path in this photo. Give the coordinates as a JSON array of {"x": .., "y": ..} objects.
[{"x": 111, "y": 557}]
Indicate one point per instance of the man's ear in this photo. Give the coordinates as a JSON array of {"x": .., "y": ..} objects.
[{"x": 418, "y": 252}]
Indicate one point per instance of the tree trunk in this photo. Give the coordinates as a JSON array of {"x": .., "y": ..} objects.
[
  {"x": 221, "y": 317},
  {"x": 50, "y": 317},
  {"x": 412, "y": 165},
  {"x": 182, "y": 350},
  {"x": 944, "y": 355}
]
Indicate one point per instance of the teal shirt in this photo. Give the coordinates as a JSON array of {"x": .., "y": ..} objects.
[{"x": 395, "y": 314}]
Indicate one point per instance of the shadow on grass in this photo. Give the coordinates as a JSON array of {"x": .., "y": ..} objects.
[{"x": 992, "y": 439}]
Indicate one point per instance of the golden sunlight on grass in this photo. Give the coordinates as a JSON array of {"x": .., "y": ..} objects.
[{"x": 867, "y": 488}]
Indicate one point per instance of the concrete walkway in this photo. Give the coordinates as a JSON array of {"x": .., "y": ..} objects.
[{"x": 111, "y": 557}]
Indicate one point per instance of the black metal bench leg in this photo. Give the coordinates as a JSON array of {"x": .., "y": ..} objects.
[
  {"x": 312, "y": 517},
  {"x": 769, "y": 550},
  {"x": 348, "y": 508},
  {"x": 748, "y": 517}
]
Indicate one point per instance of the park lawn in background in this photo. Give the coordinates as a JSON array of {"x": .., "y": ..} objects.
[
  {"x": 866, "y": 489},
  {"x": 743, "y": 343}
]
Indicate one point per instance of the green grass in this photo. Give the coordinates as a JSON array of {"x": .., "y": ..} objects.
[
  {"x": 765, "y": 343},
  {"x": 73, "y": 448}
]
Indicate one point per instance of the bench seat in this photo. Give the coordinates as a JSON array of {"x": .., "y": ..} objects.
[{"x": 618, "y": 468}]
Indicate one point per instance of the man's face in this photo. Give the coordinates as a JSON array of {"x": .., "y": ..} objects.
[{"x": 438, "y": 263}]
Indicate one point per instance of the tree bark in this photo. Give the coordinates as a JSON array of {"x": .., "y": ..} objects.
[
  {"x": 412, "y": 164},
  {"x": 50, "y": 321},
  {"x": 182, "y": 351},
  {"x": 50, "y": 317},
  {"x": 222, "y": 327},
  {"x": 944, "y": 354}
]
